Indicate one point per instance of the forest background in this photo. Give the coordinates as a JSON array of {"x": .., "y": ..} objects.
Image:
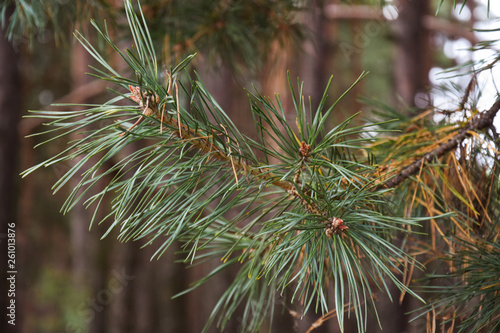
[{"x": 69, "y": 280}]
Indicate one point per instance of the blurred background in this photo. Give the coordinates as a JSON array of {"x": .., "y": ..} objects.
[{"x": 69, "y": 280}]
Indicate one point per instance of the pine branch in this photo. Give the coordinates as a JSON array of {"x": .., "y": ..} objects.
[
  {"x": 205, "y": 146},
  {"x": 478, "y": 122},
  {"x": 195, "y": 166}
]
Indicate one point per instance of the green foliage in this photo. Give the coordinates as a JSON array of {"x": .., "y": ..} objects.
[
  {"x": 54, "y": 287},
  {"x": 471, "y": 303},
  {"x": 240, "y": 32},
  {"x": 310, "y": 217},
  {"x": 33, "y": 18}
]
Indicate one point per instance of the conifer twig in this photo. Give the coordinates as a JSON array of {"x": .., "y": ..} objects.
[{"x": 478, "y": 122}]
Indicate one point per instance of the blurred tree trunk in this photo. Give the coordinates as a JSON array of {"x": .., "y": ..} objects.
[
  {"x": 413, "y": 61},
  {"x": 133, "y": 293},
  {"x": 10, "y": 111},
  {"x": 413, "y": 56},
  {"x": 325, "y": 60},
  {"x": 313, "y": 68},
  {"x": 87, "y": 274},
  {"x": 230, "y": 95},
  {"x": 142, "y": 302}
]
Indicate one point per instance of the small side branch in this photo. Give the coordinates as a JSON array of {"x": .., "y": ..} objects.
[{"x": 478, "y": 122}]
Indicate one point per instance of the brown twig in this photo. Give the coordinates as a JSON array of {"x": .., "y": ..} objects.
[
  {"x": 468, "y": 90},
  {"x": 204, "y": 144},
  {"x": 326, "y": 317},
  {"x": 478, "y": 122}
]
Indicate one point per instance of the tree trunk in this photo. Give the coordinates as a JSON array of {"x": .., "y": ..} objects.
[
  {"x": 413, "y": 56},
  {"x": 88, "y": 275},
  {"x": 10, "y": 110}
]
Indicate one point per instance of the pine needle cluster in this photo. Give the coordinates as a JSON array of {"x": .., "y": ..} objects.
[
  {"x": 303, "y": 211},
  {"x": 310, "y": 216}
]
